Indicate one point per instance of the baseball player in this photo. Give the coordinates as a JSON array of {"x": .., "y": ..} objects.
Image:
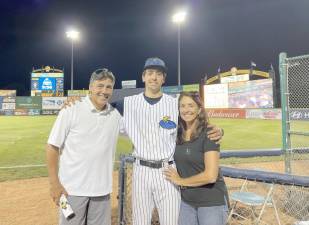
[{"x": 150, "y": 120}]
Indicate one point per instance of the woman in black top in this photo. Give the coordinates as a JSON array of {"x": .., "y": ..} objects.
[{"x": 204, "y": 196}]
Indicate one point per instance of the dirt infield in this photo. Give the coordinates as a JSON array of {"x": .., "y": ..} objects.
[{"x": 27, "y": 202}]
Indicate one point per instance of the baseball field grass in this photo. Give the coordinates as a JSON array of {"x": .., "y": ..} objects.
[{"x": 23, "y": 140}]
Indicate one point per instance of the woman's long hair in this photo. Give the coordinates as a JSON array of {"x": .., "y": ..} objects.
[{"x": 202, "y": 119}]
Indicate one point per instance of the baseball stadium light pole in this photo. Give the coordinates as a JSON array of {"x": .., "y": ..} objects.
[
  {"x": 73, "y": 35},
  {"x": 179, "y": 18}
]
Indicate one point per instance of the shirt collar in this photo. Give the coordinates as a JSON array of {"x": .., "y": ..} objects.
[{"x": 93, "y": 108}]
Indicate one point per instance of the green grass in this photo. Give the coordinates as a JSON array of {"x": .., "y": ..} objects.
[
  {"x": 23, "y": 141},
  {"x": 249, "y": 134}
]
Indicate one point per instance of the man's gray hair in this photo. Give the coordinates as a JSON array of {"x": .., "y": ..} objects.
[{"x": 102, "y": 74}]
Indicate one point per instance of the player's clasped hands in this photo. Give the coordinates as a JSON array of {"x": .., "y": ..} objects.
[{"x": 172, "y": 175}]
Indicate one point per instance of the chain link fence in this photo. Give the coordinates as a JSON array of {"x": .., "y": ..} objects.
[
  {"x": 291, "y": 197},
  {"x": 294, "y": 74},
  {"x": 125, "y": 193}
]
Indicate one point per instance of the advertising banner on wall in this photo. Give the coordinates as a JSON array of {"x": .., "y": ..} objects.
[
  {"x": 9, "y": 99},
  {"x": 128, "y": 84},
  {"x": 6, "y": 105},
  {"x": 49, "y": 112},
  {"x": 34, "y": 102},
  {"x": 8, "y": 93},
  {"x": 251, "y": 94},
  {"x": 49, "y": 93},
  {"x": 226, "y": 113},
  {"x": 5, "y": 112},
  {"x": 191, "y": 87},
  {"x": 27, "y": 112},
  {"x": 21, "y": 112},
  {"x": 34, "y": 112},
  {"x": 216, "y": 96},
  {"x": 299, "y": 114},
  {"x": 35, "y": 93},
  {"x": 235, "y": 78},
  {"x": 82, "y": 93},
  {"x": 266, "y": 114},
  {"x": 53, "y": 102},
  {"x": 172, "y": 89}
]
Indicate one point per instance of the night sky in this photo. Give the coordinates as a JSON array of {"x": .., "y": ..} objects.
[{"x": 120, "y": 35}]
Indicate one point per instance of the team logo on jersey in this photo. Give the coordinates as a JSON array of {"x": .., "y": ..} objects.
[{"x": 166, "y": 123}]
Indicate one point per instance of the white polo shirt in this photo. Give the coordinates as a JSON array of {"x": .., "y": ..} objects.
[{"x": 87, "y": 140}]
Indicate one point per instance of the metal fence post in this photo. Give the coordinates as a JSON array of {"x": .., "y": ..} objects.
[
  {"x": 121, "y": 191},
  {"x": 283, "y": 68}
]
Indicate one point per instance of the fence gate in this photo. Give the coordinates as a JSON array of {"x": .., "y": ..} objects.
[{"x": 294, "y": 82}]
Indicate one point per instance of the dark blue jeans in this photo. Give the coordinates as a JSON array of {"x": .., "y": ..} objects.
[{"x": 214, "y": 215}]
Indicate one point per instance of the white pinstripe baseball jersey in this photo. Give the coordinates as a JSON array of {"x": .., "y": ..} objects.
[{"x": 151, "y": 128}]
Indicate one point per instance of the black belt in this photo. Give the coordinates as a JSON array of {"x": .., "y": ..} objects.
[
  {"x": 187, "y": 187},
  {"x": 154, "y": 164}
]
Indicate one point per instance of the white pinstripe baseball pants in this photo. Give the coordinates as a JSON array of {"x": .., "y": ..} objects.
[{"x": 151, "y": 189}]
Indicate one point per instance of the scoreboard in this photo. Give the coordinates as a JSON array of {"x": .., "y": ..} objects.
[{"x": 47, "y": 82}]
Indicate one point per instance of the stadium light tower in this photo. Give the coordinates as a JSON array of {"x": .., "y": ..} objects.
[
  {"x": 73, "y": 35},
  {"x": 179, "y": 18}
]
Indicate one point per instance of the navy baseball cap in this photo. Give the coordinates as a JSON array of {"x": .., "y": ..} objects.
[{"x": 155, "y": 63}]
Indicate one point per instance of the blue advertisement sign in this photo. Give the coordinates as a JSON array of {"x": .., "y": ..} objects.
[
  {"x": 172, "y": 89},
  {"x": 47, "y": 83}
]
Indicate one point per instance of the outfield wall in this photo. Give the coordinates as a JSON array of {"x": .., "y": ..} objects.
[
  {"x": 33, "y": 106},
  {"x": 271, "y": 114},
  {"x": 10, "y": 105}
]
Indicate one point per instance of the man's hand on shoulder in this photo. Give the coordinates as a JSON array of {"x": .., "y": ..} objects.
[
  {"x": 71, "y": 101},
  {"x": 214, "y": 133}
]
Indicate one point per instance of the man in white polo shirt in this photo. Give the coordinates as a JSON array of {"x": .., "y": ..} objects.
[{"x": 82, "y": 142}]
